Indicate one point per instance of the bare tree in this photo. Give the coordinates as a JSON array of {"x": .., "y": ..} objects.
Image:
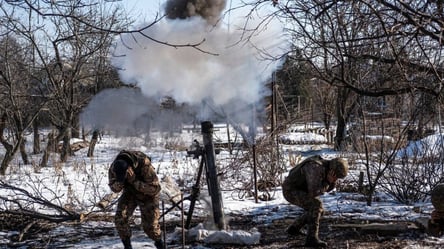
[
  {"x": 375, "y": 53},
  {"x": 371, "y": 48},
  {"x": 69, "y": 44},
  {"x": 65, "y": 47},
  {"x": 17, "y": 110},
  {"x": 293, "y": 81}
]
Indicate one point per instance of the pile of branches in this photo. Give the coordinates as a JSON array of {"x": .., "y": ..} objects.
[{"x": 28, "y": 213}]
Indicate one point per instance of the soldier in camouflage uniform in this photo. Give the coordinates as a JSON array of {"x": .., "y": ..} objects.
[
  {"x": 132, "y": 172},
  {"x": 302, "y": 187}
]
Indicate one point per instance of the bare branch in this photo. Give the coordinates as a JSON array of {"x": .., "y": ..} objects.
[{"x": 23, "y": 199}]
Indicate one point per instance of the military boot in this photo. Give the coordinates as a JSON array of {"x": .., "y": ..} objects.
[
  {"x": 314, "y": 241},
  {"x": 313, "y": 232},
  {"x": 297, "y": 227},
  {"x": 127, "y": 243}
]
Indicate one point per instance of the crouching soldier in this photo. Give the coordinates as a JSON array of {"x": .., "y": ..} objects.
[
  {"x": 132, "y": 172},
  {"x": 302, "y": 187},
  {"x": 436, "y": 223}
]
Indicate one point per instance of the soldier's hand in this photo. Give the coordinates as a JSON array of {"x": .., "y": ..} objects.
[
  {"x": 116, "y": 187},
  {"x": 331, "y": 176},
  {"x": 130, "y": 175}
]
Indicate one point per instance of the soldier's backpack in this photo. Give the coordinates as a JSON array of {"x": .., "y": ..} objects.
[{"x": 296, "y": 176}]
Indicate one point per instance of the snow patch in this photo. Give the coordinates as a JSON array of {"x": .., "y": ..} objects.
[{"x": 225, "y": 237}]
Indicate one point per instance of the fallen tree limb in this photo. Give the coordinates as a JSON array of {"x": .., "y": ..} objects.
[
  {"x": 18, "y": 201},
  {"x": 386, "y": 228},
  {"x": 26, "y": 229}
]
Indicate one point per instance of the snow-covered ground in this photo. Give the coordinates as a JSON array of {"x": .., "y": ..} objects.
[{"x": 81, "y": 182}]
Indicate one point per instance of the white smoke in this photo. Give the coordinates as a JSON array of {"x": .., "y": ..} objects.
[
  {"x": 237, "y": 72},
  {"x": 228, "y": 83},
  {"x": 118, "y": 109}
]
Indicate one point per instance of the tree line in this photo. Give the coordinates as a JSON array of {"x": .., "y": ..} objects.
[
  {"x": 348, "y": 60},
  {"x": 369, "y": 66},
  {"x": 364, "y": 56}
]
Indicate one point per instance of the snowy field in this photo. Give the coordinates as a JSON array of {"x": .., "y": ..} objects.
[{"x": 80, "y": 184}]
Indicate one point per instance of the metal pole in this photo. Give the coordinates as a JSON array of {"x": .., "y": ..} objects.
[
  {"x": 164, "y": 225},
  {"x": 213, "y": 181},
  {"x": 183, "y": 221},
  {"x": 255, "y": 173},
  {"x": 229, "y": 139},
  {"x": 195, "y": 193}
]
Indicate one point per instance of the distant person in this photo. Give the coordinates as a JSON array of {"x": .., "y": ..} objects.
[
  {"x": 302, "y": 187},
  {"x": 132, "y": 172}
]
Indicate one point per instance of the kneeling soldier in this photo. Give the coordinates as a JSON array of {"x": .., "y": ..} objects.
[{"x": 302, "y": 187}]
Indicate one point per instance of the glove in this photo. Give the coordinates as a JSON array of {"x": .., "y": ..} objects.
[{"x": 116, "y": 187}]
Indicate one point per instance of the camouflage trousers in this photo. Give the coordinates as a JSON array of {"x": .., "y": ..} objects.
[
  {"x": 313, "y": 209},
  {"x": 149, "y": 211}
]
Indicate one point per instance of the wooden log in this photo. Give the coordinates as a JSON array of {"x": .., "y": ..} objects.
[{"x": 391, "y": 228}]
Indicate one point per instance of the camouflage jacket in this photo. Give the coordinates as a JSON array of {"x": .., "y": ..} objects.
[
  {"x": 309, "y": 176},
  {"x": 146, "y": 182}
]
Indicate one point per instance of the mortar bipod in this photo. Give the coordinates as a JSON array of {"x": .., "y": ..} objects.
[{"x": 195, "y": 190}]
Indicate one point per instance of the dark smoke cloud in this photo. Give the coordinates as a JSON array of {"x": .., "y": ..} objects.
[{"x": 209, "y": 10}]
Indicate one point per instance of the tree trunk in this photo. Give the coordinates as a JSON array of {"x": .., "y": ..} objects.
[
  {"x": 22, "y": 146},
  {"x": 230, "y": 149},
  {"x": 327, "y": 120},
  {"x": 10, "y": 148},
  {"x": 50, "y": 147},
  {"x": 369, "y": 196},
  {"x": 9, "y": 155},
  {"x": 66, "y": 147},
  {"x": 75, "y": 131},
  {"x": 36, "y": 142},
  {"x": 92, "y": 144},
  {"x": 341, "y": 117},
  {"x": 340, "y": 133},
  {"x": 83, "y": 134}
]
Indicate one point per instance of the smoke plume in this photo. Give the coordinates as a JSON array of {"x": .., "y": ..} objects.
[
  {"x": 119, "y": 110},
  {"x": 209, "y": 10},
  {"x": 237, "y": 72},
  {"x": 231, "y": 72}
]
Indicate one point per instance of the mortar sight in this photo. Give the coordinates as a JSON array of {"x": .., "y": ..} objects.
[{"x": 195, "y": 150}]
